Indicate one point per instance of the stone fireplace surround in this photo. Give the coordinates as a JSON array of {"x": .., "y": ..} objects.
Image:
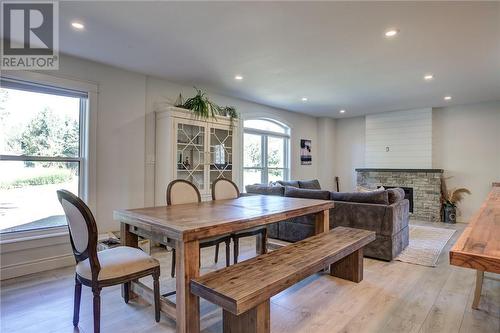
[{"x": 426, "y": 184}]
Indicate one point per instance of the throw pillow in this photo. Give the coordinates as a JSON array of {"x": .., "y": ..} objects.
[
  {"x": 365, "y": 189},
  {"x": 294, "y": 192},
  {"x": 379, "y": 197},
  {"x": 293, "y": 183},
  {"x": 310, "y": 184}
]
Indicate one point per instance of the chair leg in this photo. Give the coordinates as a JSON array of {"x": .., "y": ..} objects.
[
  {"x": 97, "y": 309},
  {"x": 228, "y": 252},
  {"x": 172, "y": 272},
  {"x": 126, "y": 292},
  {"x": 216, "y": 253},
  {"x": 156, "y": 291},
  {"x": 76, "y": 306},
  {"x": 236, "y": 249}
]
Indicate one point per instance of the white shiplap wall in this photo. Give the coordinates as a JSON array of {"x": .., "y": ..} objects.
[{"x": 407, "y": 135}]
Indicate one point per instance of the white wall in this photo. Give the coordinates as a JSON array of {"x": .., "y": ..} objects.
[
  {"x": 326, "y": 153},
  {"x": 349, "y": 150},
  {"x": 467, "y": 146},
  {"x": 399, "y": 139}
]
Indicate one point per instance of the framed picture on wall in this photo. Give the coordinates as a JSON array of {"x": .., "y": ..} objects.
[{"x": 305, "y": 152}]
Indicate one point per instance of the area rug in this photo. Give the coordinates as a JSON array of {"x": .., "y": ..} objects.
[{"x": 426, "y": 244}]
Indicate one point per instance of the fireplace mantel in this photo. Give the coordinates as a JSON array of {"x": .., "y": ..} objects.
[{"x": 398, "y": 170}]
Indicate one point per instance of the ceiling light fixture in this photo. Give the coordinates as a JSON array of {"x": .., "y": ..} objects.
[
  {"x": 429, "y": 77},
  {"x": 391, "y": 33},
  {"x": 304, "y": 99},
  {"x": 77, "y": 25},
  {"x": 447, "y": 98},
  {"x": 238, "y": 77},
  {"x": 342, "y": 111}
]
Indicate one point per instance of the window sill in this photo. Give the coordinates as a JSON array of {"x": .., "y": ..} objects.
[{"x": 24, "y": 240}]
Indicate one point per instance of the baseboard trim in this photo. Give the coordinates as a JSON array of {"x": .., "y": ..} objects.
[{"x": 35, "y": 266}]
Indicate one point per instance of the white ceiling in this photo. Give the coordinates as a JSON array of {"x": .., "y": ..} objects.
[{"x": 333, "y": 53}]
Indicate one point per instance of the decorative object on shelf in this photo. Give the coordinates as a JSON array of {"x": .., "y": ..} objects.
[
  {"x": 186, "y": 163},
  {"x": 205, "y": 108},
  {"x": 201, "y": 105},
  {"x": 179, "y": 102},
  {"x": 229, "y": 111},
  {"x": 305, "y": 152},
  {"x": 449, "y": 200}
]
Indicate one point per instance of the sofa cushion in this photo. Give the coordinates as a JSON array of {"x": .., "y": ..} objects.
[
  {"x": 310, "y": 184},
  {"x": 291, "y": 191},
  {"x": 374, "y": 197},
  {"x": 265, "y": 189},
  {"x": 293, "y": 183},
  {"x": 395, "y": 195}
]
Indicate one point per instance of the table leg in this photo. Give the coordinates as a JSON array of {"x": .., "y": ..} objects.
[
  {"x": 127, "y": 239},
  {"x": 479, "y": 287},
  {"x": 322, "y": 222},
  {"x": 187, "y": 304}
]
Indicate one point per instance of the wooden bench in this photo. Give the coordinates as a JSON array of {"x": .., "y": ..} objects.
[{"x": 244, "y": 290}]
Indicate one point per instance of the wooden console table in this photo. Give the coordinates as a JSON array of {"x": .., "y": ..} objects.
[
  {"x": 185, "y": 225},
  {"x": 479, "y": 245}
]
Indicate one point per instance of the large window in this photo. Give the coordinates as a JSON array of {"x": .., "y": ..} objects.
[
  {"x": 265, "y": 151},
  {"x": 41, "y": 151}
]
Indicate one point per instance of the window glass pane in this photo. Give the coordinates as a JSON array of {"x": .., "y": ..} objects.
[
  {"x": 251, "y": 176},
  {"x": 265, "y": 125},
  {"x": 252, "y": 150},
  {"x": 275, "y": 152},
  {"x": 38, "y": 124},
  {"x": 28, "y": 198},
  {"x": 275, "y": 174}
]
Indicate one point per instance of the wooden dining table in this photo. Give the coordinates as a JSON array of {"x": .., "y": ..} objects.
[{"x": 184, "y": 226}]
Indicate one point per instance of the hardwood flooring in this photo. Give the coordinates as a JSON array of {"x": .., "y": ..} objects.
[{"x": 393, "y": 297}]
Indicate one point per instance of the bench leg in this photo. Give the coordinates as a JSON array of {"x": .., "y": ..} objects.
[
  {"x": 256, "y": 320},
  {"x": 479, "y": 287},
  {"x": 349, "y": 268}
]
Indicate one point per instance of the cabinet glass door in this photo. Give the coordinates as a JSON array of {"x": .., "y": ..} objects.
[
  {"x": 221, "y": 154},
  {"x": 191, "y": 154}
]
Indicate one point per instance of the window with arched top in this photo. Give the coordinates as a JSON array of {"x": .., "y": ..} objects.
[{"x": 266, "y": 151}]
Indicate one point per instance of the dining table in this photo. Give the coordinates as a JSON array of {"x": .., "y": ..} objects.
[{"x": 184, "y": 226}]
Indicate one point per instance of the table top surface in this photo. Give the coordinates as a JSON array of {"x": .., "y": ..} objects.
[
  {"x": 212, "y": 218},
  {"x": 479, "y": 245}
]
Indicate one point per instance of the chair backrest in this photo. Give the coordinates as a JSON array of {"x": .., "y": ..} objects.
[
  {"x": 82, "y": 229},
  {"x": 181, "y": 191},
  {"x": 223, "y": 189}
]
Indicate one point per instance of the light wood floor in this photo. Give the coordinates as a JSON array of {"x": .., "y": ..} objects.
[{"x": 393, "y": 297}]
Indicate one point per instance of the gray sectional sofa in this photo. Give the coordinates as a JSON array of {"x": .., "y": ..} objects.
[{"x": 385, "y": 211}]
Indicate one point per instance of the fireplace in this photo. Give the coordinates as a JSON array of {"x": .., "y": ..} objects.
[
  {"x": 422, "y": 188},
  {"x": 408, "y": 194}
]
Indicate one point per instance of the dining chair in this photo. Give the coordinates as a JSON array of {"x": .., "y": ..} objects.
[
  {"x": 118, "y": 265},
  {"x": 181, "y": 191},
  {"x": 223, "y": 189}
]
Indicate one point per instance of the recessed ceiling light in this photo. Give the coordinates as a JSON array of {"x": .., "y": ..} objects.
[
  {"x": 77, "y": 25},
  {"x": 391, "y": 33},
  {"x": 238, "y": 77},
  {"x": 428, "y": 77},
  {"x": 342, "y": 111},
  {"x": 447, "y": 98},
  {"x": 304, "y": 99}
]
